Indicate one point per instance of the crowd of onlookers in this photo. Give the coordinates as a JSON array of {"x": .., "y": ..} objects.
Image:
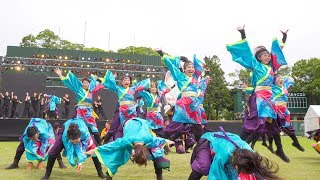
[{"x": 38, "y": 105}]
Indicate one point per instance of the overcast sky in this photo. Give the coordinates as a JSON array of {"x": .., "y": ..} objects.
[{"x": 179, "y": 27}]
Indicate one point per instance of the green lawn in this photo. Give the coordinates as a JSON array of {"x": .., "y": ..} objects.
[{"x": 303, "y": 165}]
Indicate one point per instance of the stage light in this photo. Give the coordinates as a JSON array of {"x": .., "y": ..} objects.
[
  {"x": 81, "y": 65},
  {"x": 128, "y": 61},
  {"x": 42, "y": 56},
  {"x": 23, "y": 68},
  {"x": 107, "y": 60},
  {"x": 139, "y": 62},
  {"x": 148, "y": 75},
  {"x": 60, "y": 57},
  {"x": 18, "y": 68},
  {"x": 88, "y": 65},
  {"x": 148, "y": 69},
  {"x": 153, "y": 70},
  {"x": 112, "y": 60},
  {"x": 106, "y": 67},
  {"x": 134, "y": 61},
  {"x": 66, "y": 57},
  {"x": 82, "y": 72},
  {"x": 18, "y": 62},
  {"x": 38, "y": 55},
  {"x": 41, "y": 63},
  {"x": 88, "y": 59},
  {"x": 123, "y": 60},
  {"x": 88, "y": 72},
  {"x": 82, "y": 58}
]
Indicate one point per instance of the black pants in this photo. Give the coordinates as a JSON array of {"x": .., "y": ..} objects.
[
  {"x": 5, "y": 110},
  {"x": 99, "y": 110},
  {"x": 66, "y": 112},
  {"x": 13, "y": 111},
  {"x": 52, "y": 114},
  {"x": 35, "y": 111},
  {"x": 26, "y": 113}
]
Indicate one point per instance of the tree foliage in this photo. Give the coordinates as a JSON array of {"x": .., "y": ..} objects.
[
  {"x": 218, "y": 100},
  {"x": 240, "y": 77},
  {"x": 138, "y": 50},
  {"x": 307, "y": 78}
]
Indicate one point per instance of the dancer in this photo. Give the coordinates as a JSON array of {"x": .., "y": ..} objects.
[
  {"x": 15, "y": 103},
  {"x": 57, "y": 131},
  {"x": 75, "y": 139},
  {"x": 203, "y": 87},
  {"x": 27, "y": 103},
  {"x": 187, "y": 107},
  {"x": 105, "y": 131},
  {"x": 139, "y": 108},
  {"x": 84, "y": 90},
  {"x": 260, "y": 106},
  {"x": 221, "y": 155},
  {"x": 66, "y": 102},
  {"x": 316, "y": 137},
  {"x": 6, "y": 104},
  {"x": 137, "y": 142},
  {"x": 35, "y": 103},
  {"x": 52, "y": 106},
  {"x": 98, "y": 108},
  {"x": 37, "y": 140},
  {"x": 280, "y": 93},
  {"x": 127, "y": 107},
  {"x": 152, "y": 98}
]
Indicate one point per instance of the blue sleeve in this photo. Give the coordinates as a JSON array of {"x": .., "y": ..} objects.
[
  {"x": 72, "y": 82},
  {"x": 242, "y": 54},
  {"x": 199, "y": 66},
  {"x": 277, "y": 56},
  {"x": 176, "y": 74},
  {"x": 141, "y": 85},
  {"x": 109, "y": 82}
]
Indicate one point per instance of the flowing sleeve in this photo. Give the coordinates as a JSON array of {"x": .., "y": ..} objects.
[
  {"x": 72, "y": 82},
  {"x": 176, "y": 74},
  {"x": 114, "y": 154},
  {"x": 109, "y": 82},
  {"x": 57, "y": 100},
  {"x": 156, "y": 147},
  {"x": 141, "y": 85},
  {"x": 204, "y": 84},
  {"x": 199, "y": 66},
  {"x": 277, "y": 56},
  {"x": 288, "y": 82},
  {"x": 242, "y": 54},
  {"x": 94, "y": 85},
  {"x": 146, "y": 96},
  {"x": 163, "y": 88}
]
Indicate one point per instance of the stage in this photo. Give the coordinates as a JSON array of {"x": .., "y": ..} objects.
[{"x": 12, "y": 129}]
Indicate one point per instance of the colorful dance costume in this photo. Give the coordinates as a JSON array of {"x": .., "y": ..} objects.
[
  {"x": 280, "y": 97},
  {"x": 117, "y": 153},
  {"x": 84, "y": 107},
  {"x": 212, "y": 156},
  {"x": 187, "y": 107},
  {"x": 127, "y": 106},
  {"x": 152, "y": 102},
  {"x": 52, "y": 106},
  {"x": 260, "y": 105},
  {"x": 74, "y": 152},
  {"x": 38, "y": 150},
  {"x": 203, "y": 86}
]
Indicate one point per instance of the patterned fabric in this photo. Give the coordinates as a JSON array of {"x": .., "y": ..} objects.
[
  {"x": 84, "y": 98},
  {"x": 117, "y": 153},
  {"x": 53, "y": 101},
  {"x": 153, "y": 101},
  {"x": 75, "y": 153},
  {"x": 187, "y": 107},
  {"x": 262, "y": 75},
  {"x": 38, "y": 150},
  {"x": 203, "y": 87},
  {"x": 223, "y": 149},
  {"x": 127, "y": 108}
]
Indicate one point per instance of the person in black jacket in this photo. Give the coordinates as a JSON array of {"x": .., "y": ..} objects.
[{"x": 15, "y": 103}]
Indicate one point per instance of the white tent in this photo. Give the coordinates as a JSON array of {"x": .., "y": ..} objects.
[{"x": 312, "y": 118}]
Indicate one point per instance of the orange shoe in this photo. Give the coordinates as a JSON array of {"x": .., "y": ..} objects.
[
  {"x": 40, "y": 165},
  {"x": 30, "y": 165}
]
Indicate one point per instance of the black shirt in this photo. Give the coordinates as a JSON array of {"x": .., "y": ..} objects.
[
  {"x": 15, "y": 102},
  {"x": 27, "y": 104},
  {"x": 6, "y": 100},
  {"x": 66, "y": 103},
  {"x": 99, "y": 101},
  {"x": 34, "y": 101}
]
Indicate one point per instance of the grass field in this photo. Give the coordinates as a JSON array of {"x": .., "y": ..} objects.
[{"x": 303, "y": 165}]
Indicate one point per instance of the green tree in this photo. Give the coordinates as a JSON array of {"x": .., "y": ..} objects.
[
  {"x": 64, "y": 44},
  {"x": 94, "y": 49},
  {"x": 240, "y": 77},
  {"x": 138, "y": 50},
  {"x": 307, "y": 78},
  {"x": 217, "y": 98},
  {"x": 285, "y": 71},
  {"x": 48, "y": 39},
  {"x": 29, "y": 41}
]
